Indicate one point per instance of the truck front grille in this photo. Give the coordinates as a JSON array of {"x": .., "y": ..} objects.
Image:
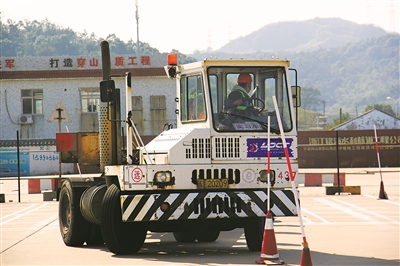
[
  {"x": 226, "y": 147},
  {"x": 233, "y": 175},
  {"x": 201, "y": 149}
]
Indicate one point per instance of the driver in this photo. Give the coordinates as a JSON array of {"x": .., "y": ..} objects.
[{"x": 238, "y": 100}]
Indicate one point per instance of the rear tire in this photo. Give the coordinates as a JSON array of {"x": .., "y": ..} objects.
[
  {"x": 208, "y": 236},
  {"x": 185, "y": 236},
  {"x": 73, "y": 227},
  {"x": 254, "y": 231},
  {"x": 121, "y": 238},
  {"x": 94, "y": 237}
]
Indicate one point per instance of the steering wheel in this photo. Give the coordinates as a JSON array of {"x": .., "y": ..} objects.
[{"x": 253, "y": 100}]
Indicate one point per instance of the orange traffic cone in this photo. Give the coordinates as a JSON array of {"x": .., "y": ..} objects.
[
  {"x": 382, "y": 193},
  {"x": 305, "y": 259},
  {"x": 269, "y": 249}
]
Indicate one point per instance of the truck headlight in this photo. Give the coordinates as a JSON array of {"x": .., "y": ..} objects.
[
  {"x": 264, "y": 176},
  {"x": 163, "y": 178}
]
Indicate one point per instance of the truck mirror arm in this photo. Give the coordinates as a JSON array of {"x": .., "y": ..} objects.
[{"x": 129, "y": 120}]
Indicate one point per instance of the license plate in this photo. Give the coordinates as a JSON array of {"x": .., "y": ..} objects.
[{"x": 212, "y": 183}]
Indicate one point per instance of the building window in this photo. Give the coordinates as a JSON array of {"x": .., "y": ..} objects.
[
  {"x": 32, "y": 101},
  {"x": 157, "y": 102},
  {"x": 137, "y": 103},
  {"x": 90, "y": 100}
]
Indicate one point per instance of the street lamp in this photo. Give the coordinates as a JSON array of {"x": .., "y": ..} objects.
[{"x": 396, "y": 104}]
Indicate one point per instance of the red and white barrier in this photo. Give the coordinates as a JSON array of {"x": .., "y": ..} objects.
[
  {"x": 36, "y": 186},
  {"x": 318, "y": 179}
]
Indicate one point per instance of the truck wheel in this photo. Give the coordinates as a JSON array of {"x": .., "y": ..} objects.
[
  {"x": 121, "y": 238},
  {"x": 73, "y": 226},
  {"x": 208, "y": 236},
  {"x": 185, "y": 236},
  {"x": 254, "y": 231}
]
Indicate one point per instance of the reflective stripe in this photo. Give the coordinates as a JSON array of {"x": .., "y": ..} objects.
[
  {"x": 205, "y": 205},
  {"x": 242, "y": 107}
]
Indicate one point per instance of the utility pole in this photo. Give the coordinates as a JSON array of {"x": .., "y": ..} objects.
[{"x": 137, "y": 30}]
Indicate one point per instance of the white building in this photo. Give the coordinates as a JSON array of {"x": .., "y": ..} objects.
[
  {"x": 368, "y": 119},
  {"x": 31, "y": 88}
]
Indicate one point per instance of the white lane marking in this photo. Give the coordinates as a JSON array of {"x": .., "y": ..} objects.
[
  {"x": 344, "y": 209},
  {"x": 241, "y": 242},
  {"x": 306, "y": 219},
  {"x": 28, "y": 236},
  {"x": 387, "y": 201},
  {"x": 317, "y": 216},
  {"x": 45, "y": 222},
  {"x": 23, "y": 214},
  {"x": 14, "y": 213},
  {"x": 385, "y": 223},
  {"x": 366, "y": 211}
]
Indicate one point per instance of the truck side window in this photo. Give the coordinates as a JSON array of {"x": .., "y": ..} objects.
[
  {"x": 213, "y": 79},
  {"x": 192, "y": 106}
]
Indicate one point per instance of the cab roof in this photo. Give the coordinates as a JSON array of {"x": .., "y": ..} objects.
[{"x": 235, "y": 63}]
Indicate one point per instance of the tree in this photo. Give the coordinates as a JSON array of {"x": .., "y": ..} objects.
[
  {"x": 310, "y": 98},
  {"x": 183, "y": 59},
  {"x": 337, "y": 121},
  {"x": 387, "y": 108}
]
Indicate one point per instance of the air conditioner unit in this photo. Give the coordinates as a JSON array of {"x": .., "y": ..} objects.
[{"x": 25, "y": 119}]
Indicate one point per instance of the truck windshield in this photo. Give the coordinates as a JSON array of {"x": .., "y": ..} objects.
[{"x": 242, "y": 98}]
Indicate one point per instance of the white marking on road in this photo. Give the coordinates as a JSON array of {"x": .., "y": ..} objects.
[
  {"x": 364, "y": 223},
  {"x": 306, "y": 219},
  {"x": 317, "y": 216},
  {"x": 241, "y": 242},
  {"x": 344, "y": 209},
  {"x": 366, "y": 211},
  {"x": 14, "y": 213},
  {"x": 387, "y": 201},
  {"x": 49, "y": 221},
  {"x": 20, "y": 215},
  {"x": 45, "y": 222}
]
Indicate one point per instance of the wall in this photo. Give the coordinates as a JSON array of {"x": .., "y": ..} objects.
[
  {"x": 67, "y": 91},
  {"x": 36, "y": 160},
  {"x": 317, "y": 149},
  {"x": 367, "y": 121}
]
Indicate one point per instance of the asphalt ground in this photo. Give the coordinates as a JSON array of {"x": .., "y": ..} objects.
[{"x": 340, "y": 230}]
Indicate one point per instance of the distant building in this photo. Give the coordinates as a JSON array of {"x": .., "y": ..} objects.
[
  {"x": 368, "y": 119},
  {"x": 31, "y": 88}
]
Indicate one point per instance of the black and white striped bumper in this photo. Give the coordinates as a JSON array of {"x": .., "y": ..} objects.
[{"x": 205, "y": 205}]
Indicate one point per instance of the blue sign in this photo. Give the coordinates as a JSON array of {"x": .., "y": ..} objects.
[
  {"x": 9, "y": 162},
  {"x": 257, "y": 148}
]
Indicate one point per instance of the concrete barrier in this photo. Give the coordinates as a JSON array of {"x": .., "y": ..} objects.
[
  {"x": 353, "y": 190},
  {"x": 319, "y": 179},
  {"x": 330, "y": 181},
  {"x": 36, "y": 186},
  {"x": 49, "y": 195}
]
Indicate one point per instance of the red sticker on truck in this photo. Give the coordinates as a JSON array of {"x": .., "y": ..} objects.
[{"x": 137, "y": 175}]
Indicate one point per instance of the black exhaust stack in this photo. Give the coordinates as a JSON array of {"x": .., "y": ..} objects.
[{"x": 109, "y": 116}]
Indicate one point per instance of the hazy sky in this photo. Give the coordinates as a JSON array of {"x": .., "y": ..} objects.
[{"x": 189, "y": 25}]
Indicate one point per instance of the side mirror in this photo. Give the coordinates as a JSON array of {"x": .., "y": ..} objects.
[
  {"x": 170, "y": 71},
  {"x": 107, "y": 91},
  {"x": 296, "y": 92}
]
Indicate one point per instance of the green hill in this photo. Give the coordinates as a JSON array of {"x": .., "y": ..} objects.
[
  {"x": 350, "y": 65},
  {"x": 298, "y": 36},
  {"x": 340, "y": 64}
]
